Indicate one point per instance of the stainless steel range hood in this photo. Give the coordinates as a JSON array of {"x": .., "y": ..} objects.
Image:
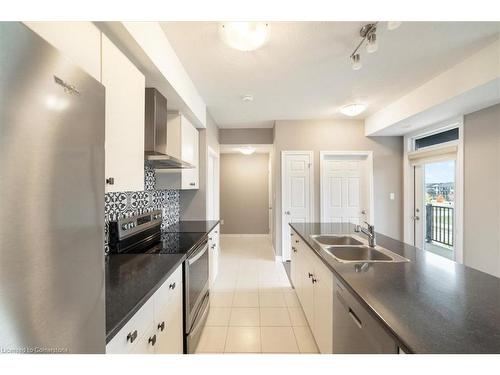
[{"x": 155, "y": 136}]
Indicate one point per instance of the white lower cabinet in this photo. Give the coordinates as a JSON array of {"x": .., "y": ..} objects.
[
  {"x": 157, "y": 327},
  {"x": 313, "y": 283},
  {"x": 214, "y": 248}
]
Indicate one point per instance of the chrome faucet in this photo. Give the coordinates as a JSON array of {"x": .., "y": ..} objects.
[{"x": 369, "y": 231}]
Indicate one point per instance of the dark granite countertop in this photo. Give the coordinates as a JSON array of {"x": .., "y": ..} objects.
[
  {"x": 188, "y": 226},
  {"x": 430, "y": 304},
  {"x": 131, "y": 279}
]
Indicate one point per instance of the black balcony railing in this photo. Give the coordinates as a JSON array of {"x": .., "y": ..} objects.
[{"x": 439, "y": 224}]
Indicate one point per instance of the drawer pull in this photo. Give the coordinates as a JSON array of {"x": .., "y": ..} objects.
[
  {"x": 210, "y": 238},
  {"x": 132, "y": 336},
  {"x": 192, "y": 184},
  {"x": 294, "y": 249},
  {"x": 161, "y": 326},
  {"x": 314, "y": 281},
  {"x": 171, "y": 286},
  {"x": 213, "y": 246},
  {"x": 296, "y": 241},
  {"x": 152, "y": 340},
  {"x": 310, "y": 274}
]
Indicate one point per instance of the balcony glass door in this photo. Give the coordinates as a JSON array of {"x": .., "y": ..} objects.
[{"x": 434, "y": 207}]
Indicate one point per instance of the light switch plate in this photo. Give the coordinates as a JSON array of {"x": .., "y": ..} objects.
[{"x": 392, "y": 196}]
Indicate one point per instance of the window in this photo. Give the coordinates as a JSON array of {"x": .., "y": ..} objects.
[{"x": 437, "y": 138}]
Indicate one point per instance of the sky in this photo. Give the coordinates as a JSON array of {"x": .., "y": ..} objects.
[{"x": 440, "y": 172}]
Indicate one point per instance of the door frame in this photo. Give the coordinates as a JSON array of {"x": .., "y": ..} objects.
[
  {"x": 408, "y": 180},
  {"x": 213, "y": 191},
  {"x": 286, "y": 254},
  {"x": 369, "y": 160}
]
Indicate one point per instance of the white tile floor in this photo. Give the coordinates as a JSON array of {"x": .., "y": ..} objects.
[{"x": 253, "y": 308}]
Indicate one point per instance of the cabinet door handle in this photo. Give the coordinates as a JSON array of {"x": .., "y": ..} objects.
[
  {"x": 110, "y": 181},
  {"x": 161, "y": 326},
  {"x": 294, "y": 249},
  {"x": 192, "y": 184},
  {"x": 213, "y": 246},
  {"x": 314, "y": 281},
  {"x": 310, "y": 274},
  {"x": 132, "y": 336},
  {"x": 152, "y": 340},
  {"x": 296, "y": 241},
  {"x": 171, "y": 286}
]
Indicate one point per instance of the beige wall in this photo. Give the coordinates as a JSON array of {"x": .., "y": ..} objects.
[
  {"x": 482, "y": 190},
  {"x": 244, "y": 195},
  {"x": 246, "y": 136},
  {"x": 193, "y": 203},
  {"x": 337, "y": 135}
]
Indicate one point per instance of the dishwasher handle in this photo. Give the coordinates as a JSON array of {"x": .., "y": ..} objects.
[{"x": 349, "y": 310}]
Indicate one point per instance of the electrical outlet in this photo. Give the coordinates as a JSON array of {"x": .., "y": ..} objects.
[
  {"x": 392, "y": 196},
  {"x": 221, "y": 221}
]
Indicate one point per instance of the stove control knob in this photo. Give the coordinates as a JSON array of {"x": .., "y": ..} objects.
[{"x": 124, "y": 226}]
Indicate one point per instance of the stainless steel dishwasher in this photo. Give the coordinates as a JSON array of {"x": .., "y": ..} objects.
[{"x": 355, "y": 331}]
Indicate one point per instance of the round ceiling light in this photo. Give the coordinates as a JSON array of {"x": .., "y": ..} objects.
[
  {"x": 247, "y": 150},
  {"x": 244, "y": 36},
  {"x": 352, "y": 110}
]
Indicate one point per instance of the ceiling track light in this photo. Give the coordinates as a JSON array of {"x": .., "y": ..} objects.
[
  {"x": 368, "y": 34},
  {"x": 356, "y": 61}
]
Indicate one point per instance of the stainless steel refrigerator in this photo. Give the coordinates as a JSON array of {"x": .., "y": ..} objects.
[{"x": 51, "y": 200}]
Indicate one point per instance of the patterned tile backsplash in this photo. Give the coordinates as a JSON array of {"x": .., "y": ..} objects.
[{"x": 123, "y": 204}]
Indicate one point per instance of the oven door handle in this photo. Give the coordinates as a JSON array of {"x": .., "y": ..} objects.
[{"x": 198, "y": 255}]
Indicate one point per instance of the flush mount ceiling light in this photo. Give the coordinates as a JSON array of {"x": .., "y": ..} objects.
[
  {"x": 393, "y": 25},
  {"x": 247, "y": 98},
  {"x": 353, "y": 109},
  {"x": 244, "y": 36},
  {"x": 247, "y": 150}
]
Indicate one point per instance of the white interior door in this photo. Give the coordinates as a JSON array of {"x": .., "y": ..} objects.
[
  {"x": 297, "y": 176},
  {"x": 345, "y": 189}
]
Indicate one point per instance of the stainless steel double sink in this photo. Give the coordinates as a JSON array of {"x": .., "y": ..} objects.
[{"x": 353, "y": 249}]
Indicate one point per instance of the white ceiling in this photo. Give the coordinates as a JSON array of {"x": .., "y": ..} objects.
[{"x": 303, "y": 71}]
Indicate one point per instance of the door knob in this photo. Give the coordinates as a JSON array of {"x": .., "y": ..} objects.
[
  {"x": 287, "y": 212},
  {"x": 416, "y": 218}
]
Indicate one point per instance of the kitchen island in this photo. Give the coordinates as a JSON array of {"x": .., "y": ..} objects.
[{"x": 427, "y": 305}]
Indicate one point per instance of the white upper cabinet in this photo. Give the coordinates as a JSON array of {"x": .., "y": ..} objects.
[
  {"x": 190, "y": 177},
  {"x": 78, "y": 41},
  {"x": 125, "y": 103},
  {"x": 182, "y": 143}
]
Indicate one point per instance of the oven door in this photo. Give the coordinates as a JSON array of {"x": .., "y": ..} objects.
[{"x": 196, "y": 283}]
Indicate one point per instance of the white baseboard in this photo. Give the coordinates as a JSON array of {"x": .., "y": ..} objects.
[{"x": 246, "y": 235}]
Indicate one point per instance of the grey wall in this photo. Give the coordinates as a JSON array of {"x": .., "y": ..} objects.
[
  {"x": 334, "y": 135},
  {"x": 244, "y": 184},
  {"x": 246, "y": 136},
  {"x": 193, "y": 203},
  {"x": 482, "y": 190}
]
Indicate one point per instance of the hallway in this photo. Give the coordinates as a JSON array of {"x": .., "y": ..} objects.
[{"x": 253, "y": 308}]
